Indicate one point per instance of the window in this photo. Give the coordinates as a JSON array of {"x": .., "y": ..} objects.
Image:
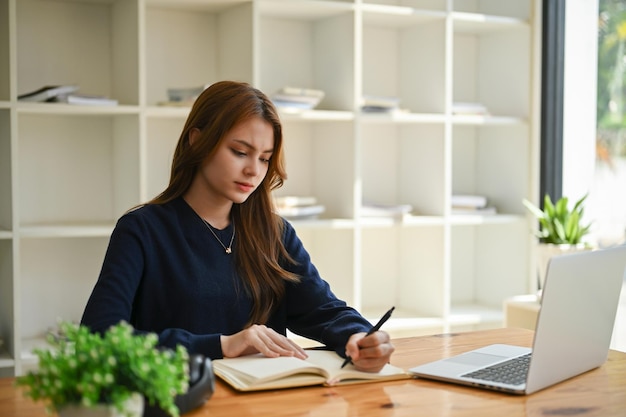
[
  {"x": 584, "y": 110},
  {"x": 607, "y": 197}
]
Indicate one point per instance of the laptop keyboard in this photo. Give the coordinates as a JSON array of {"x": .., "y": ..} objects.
[{"x": 513, "y": 371}]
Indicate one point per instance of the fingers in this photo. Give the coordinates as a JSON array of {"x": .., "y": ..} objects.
[
  {"x": 352, "y": 347},
  {"x": 370, "y": 353},
  {"x": 260, "y": 339},
  {"x": 374, "y": 359},
  {"x": 272, "y": 344}
]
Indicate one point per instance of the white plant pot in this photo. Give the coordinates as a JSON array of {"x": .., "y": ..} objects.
[
  {"x": 545, "y": 251},
  {"x": 133, "y": 408}
]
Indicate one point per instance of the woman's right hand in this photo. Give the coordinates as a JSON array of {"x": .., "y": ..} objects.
[{"x": 260, "y": 339}]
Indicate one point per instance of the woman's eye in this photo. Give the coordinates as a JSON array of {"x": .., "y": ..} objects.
[
  {"x": 265, "y": 160},
  {"x": 239, "y": 153}
]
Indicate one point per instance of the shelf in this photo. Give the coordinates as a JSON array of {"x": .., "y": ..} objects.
[
  {"x": 478, "y": 120},
  {"x": 312, "y": 48},
  {"x": 476, "y": 219},
  {"x": 222, "y": 30},
  {"x": 323, "y": 223},
  {"x": 68, "y": 172},
  {"x": 103, "y": 63},
  {"x": 473, "y": 314},
  {"x": 402, "y": 117},
  {"x": 28, "y": 346},
  {"x": 67, "y": 230},
  {"x": 71, "y": 109},
  {"x": 481, "y": 23},
  {"x": 168, "y": 112},
  {"x": 398, "y": 16},
  {"x": 195, "y": 5},
  {"x": 392, "y": 65},
  {"x": 310, "y": 10},
  {"x": 315, "y": 115},
  {"x": 406, "y": 220}
]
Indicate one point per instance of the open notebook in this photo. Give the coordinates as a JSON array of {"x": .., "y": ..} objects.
[
  {"x": 573, "y": 332},
  {"x": 322, "y": 367}
]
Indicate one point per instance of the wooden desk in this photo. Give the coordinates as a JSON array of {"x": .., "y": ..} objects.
[{"x": 600, "y": 392}]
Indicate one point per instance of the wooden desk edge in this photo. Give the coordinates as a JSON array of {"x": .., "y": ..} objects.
[{"x": 410, "y": 351}]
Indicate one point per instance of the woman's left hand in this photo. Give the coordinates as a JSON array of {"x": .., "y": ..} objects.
[{"x": 370, "y": 353}]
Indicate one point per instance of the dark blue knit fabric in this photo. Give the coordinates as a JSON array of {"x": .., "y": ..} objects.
[{"x": 164, "y": 272}]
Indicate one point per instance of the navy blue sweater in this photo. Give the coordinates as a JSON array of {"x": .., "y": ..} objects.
[{"x": 164, "y": 272}]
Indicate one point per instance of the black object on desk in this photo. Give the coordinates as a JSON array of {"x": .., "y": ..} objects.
[
  {"x": 201, "y": 388},
  {"x": 376, "y": 327}
]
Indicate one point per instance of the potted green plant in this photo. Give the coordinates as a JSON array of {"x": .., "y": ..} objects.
[
  {"x": 114, "y": 372},
  {"x": 560, "y": 225},
  {"x": 561, "y": 230}
]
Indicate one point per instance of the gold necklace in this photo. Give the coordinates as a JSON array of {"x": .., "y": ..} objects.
[{"x": 228, "y": 249}]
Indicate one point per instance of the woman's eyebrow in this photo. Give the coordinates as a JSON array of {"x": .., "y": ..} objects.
[{"x": 250, "y": 146}]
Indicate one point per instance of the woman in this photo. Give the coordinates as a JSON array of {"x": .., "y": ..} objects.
[{"x": 207, "y": 264}]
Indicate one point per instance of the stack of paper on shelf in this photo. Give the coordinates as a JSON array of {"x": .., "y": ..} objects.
[
  {"x": 48, "y": 93},
  {"x": 85, "y": 99},
  {"x": 66, "y": 94},
  {"x": 292, "y": 207},
  {"x": 379, "y": 104},
  {"x": 183, "y": 96},
  {"x": 465, "y": 108},
  {"x": 295, "y": 98},
  {"x": 370, "y": 209},
  {"x": 471, "y": 204}
]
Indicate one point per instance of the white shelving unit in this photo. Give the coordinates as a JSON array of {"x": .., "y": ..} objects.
[{"x": 68, "y": 172}]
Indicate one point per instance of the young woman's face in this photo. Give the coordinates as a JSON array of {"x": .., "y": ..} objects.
[{"x": 240, "y": 162}]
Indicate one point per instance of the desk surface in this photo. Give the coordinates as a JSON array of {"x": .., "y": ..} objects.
[{"x": 600, "y": 392}]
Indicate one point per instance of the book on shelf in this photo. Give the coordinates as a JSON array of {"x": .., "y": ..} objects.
[
  {"x": 297, "y": 98},
  {"x": 484, "y": 211},
  {"x": 295, "y": 207},
  {"x": 301, "y": 92},
  {"x": 185, "y": 95},
  {"x": 379, "y": 104},
  {"x": 48, "y": 93},
  {"x": 467, "y": 108},
  {"x": 463, "y": 204},
  {"x": 174, "y": 103},
  {"x": 369, "y": 209},
  {"x": 322, "y": 367},
  {"x": 301, "y": 212},
  {"x": 85, "y": 99},
  {"x": 468, "y": 201},
  {"x": 295, "y": 201}
]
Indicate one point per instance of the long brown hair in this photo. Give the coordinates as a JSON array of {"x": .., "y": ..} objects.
[{"x": 258, "y": 247}]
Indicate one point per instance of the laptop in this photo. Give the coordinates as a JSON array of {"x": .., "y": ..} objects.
[{"x": 573, "y": 331}]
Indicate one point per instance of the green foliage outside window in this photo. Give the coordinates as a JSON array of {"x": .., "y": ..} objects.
[{"x": 611, "y": 103}]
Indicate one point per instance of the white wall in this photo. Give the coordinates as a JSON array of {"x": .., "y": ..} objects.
[{"x": 579, "y": 113}]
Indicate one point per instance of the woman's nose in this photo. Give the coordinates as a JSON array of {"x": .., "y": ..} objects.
[{"x": 252, "y": 169}]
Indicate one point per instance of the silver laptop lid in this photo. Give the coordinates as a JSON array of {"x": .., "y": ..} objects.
[{"x": 573, "y": 332}]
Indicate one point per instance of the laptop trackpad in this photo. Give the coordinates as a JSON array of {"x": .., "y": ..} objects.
[{"x": 476, "y": 359}]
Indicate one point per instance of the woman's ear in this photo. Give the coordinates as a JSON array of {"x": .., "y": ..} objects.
[{"x": 194, "y": 134}]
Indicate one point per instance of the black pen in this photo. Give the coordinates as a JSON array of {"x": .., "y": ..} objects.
[{"x": 376, "y": 328}]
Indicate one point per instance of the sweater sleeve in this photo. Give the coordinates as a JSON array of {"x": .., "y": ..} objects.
[
  {"x": 117, "y": 287},
  {"x": 313, "y": 310}
]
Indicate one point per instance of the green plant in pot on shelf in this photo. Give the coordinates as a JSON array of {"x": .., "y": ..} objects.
[
  {"x": 115, "y": 371},
  {"x": 561, "y": 229},
  {"x": 560, "y": 225}
]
